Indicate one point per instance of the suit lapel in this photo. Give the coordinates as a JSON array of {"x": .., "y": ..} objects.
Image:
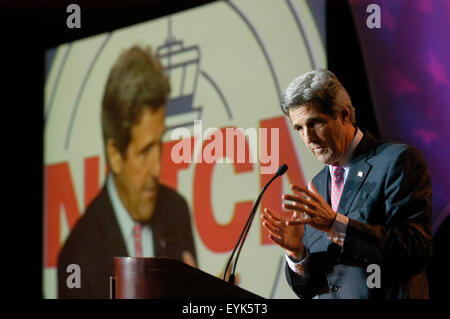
[
  {"x": 355, "y": 179},
  {"x": 321, "y": 183},
  {"x": 319, "y": 239},
  {"x": 110, "y": 229},
  {"x": 359, "y": 170}
]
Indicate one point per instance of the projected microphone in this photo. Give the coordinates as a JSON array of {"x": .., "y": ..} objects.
[{"x": 281, "y": 170}]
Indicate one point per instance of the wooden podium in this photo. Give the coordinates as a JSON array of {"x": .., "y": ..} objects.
[{"x": 167, "y": 278}]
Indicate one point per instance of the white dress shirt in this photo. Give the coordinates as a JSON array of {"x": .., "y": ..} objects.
[
  {"x": 126, "y": 223},
  {"x": 339, "y": 227}
]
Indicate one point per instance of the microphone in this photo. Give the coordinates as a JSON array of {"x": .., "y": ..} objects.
[
  {"x": 282, "y": 169},
  {"x": 240, "y": 243}
]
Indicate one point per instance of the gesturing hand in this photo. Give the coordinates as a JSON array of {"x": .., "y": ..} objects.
[
  {"x": 287, "y": 236},
  {"x": 314, "y": 210}
]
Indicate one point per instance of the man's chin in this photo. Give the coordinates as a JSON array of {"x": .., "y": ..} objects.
[
  {"x": 324, "y": 159},
  {"x": 146, "y": 212}
]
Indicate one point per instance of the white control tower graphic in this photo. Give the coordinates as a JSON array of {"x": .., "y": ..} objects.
[{"x": 182, "y": 65}]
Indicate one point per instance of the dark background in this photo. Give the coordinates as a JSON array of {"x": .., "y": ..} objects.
[{"x": 29, "y": 28}]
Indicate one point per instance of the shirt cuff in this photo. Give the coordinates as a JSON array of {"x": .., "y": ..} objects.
[
  {"x": 338, "y": 230},
  {"x": 300, "y": 267}
]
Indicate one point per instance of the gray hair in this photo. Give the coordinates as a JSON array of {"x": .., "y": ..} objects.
[{"x": 320, "y": 88}]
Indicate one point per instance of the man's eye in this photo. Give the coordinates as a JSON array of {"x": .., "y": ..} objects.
[
  {"x": 319, "y": 124},
  {"x": 147, "y": 149}
]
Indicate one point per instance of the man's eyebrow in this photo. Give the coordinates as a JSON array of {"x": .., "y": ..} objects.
[
  {"x": 315, "y": 120},
  {"x": 146, "y": 146},
  {"x": 309, "y": 122},
  {"x": 151, "y": 143}
]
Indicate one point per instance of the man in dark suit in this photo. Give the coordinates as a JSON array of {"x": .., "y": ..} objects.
[
  {"x": 362, "y": 227},
  {"x": 133, "y": 215}
]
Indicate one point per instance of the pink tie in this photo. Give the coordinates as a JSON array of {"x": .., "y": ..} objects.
[
  {"x": 337, "y": 185},
  {"x": 137, "y": 240}
]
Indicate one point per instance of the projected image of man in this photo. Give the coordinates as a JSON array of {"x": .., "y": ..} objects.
[{"x": 133, "y": 215}]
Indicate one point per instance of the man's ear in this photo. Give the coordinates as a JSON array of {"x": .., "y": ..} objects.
[
  {"x": 345, "y": 114},
  {"x": 115, "y": 158}
]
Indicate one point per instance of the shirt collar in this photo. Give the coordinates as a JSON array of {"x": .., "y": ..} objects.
[
  {"x": 349, "y": 152},
  {"x": 351, "y": 149},
  {"x": 124, "y": 219}
]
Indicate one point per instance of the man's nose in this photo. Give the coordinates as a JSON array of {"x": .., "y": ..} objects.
[
  {"x": 308, "y": 135},
  {"x": 156, "y": 168},
  {"x": 154, "y": 164}
]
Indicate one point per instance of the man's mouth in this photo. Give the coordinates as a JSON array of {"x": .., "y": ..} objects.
[
  {"x": 150, "y": 191},
  {"x": 318, "y": 149}
]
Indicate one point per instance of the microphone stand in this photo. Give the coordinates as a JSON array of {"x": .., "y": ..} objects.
[{"x": 243, "y": 236}]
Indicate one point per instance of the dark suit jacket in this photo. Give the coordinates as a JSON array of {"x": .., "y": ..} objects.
[
  {"x": 96, "y": 239},
  {"x": 389, "y": 208}
]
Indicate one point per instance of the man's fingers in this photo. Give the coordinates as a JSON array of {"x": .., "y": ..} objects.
[
  {"x": 188, "y": 258},
  {"x": 299, "y": 209},
  {"x": 302, "y": 219},
  {"x": 271, "y": 228},
  {"x": 312, "y": 188},
  {"x": 294, "y": 222},
  {"x": 297, "y": 188},
  {"x": 302, "y": 190},
  {"x": 276, "y": 237},
  {"x": 278, "y": 241},
  {"x": 293, "y": 198},
  {"x": 270, "y": 218},
  {"x": 266, "y": 216},
  {"x": 272, "y": 215},
  {"x": 300, "y": 200}
]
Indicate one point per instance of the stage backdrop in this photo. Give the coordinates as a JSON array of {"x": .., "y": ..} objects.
[
  {"x": 228, "y": 68},
  {"x": 408, "y": 66}
]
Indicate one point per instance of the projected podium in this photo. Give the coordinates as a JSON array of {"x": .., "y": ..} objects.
[{"x": 167, "y": 278}]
